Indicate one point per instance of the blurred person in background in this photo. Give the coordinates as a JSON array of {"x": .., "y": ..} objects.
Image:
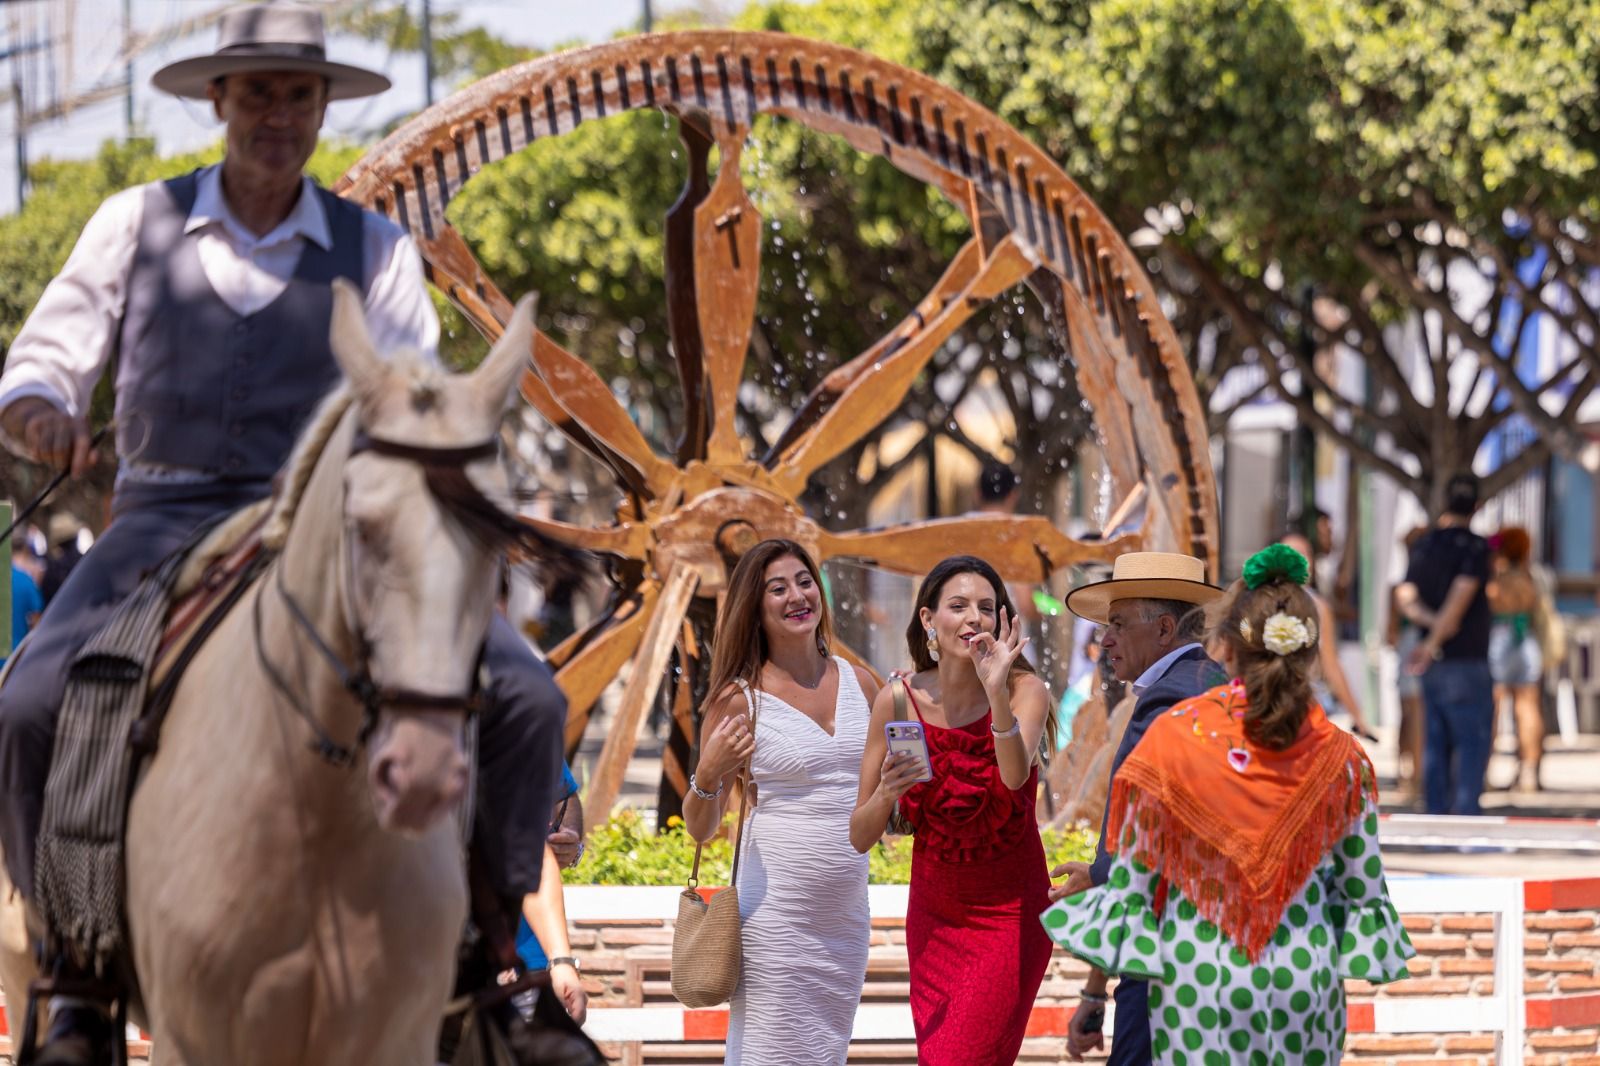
[
  {"x": 1328, "y": 679},
  {"x": 1403, "y": 636},
  {"x": 1516, "y": 658},
  {"x": 63, "y": 553},
  {"x": 1445, "y": 594},
  {"x": 26, "y": 602},
  {"x": 543, "y": 942}
]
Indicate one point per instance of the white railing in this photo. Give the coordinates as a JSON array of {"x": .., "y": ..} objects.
[{"x": 1502, "y": 1013}]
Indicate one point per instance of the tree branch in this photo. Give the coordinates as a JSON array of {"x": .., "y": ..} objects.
[{"x": 1408, "y": 285}]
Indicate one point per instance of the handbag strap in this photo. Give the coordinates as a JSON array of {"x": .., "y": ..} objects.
[{"x": 744, "y": 798}]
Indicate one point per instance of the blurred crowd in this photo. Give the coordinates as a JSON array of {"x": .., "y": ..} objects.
[
  {"x": 1475, "y": 630},
  {"x": 40, "y": 562}
]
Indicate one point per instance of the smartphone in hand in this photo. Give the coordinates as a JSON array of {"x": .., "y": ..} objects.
[{"x": 906, "y": 738}]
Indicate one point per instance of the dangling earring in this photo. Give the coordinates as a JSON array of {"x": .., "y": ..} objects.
[{"x": 933, "y": 644}]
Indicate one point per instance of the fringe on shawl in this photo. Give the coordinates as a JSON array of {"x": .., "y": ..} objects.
[{"x": 1242, "y": 884}]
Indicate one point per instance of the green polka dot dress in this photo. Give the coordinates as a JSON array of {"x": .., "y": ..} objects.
[{"x": 1209, "y": 1004}]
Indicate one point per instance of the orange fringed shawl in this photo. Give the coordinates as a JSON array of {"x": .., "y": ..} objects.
[{"x": 1238, "y": 827}]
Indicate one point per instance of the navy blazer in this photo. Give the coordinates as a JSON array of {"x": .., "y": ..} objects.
[{"x": 1193, "y": 673}]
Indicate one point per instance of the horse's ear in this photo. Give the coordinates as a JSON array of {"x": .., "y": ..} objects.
[
  {"x": 347, "y": 336},
  {"x": 502, "y": 368}
]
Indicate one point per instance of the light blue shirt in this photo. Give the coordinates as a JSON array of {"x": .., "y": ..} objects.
[{"x": 1159, "y": 668}]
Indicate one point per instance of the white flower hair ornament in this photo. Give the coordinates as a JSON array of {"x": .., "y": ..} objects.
[{"x": 1285, "y": 634}]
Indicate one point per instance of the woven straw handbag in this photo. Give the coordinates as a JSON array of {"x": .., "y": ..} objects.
[{"x": 706, "y": 951}]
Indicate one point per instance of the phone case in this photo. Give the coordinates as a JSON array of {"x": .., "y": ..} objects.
[{"x": 906, "y": 738}]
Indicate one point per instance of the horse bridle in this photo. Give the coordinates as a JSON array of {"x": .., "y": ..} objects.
[{"x": 444, "y": 472}]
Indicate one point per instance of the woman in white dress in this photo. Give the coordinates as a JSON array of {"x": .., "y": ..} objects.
[{"x": 802, "y": 887}]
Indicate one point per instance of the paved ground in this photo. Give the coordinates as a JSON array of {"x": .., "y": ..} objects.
[
  {"x": 1571, "y": 780},
  {"x": 1571, "y": 790}
]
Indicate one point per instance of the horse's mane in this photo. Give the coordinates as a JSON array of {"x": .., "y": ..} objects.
[{"x": 302, "y": 461}]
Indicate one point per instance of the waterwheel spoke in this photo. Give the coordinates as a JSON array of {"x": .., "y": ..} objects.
[
  {"x": 583, "y": 393},
  {"x": 588, "y": 661},
  {"x": 675, "y": 764},
  {"x": 454, "y": 270},
  {"x": 877, "y": 394},
  {"x": 1023, "y": 548},
  {"x": 649, "y": 667},
  {"x": 1131, "y": 511},
  {"x": 1096, "y": 374},
  {"x": 625, "y": 540},
  {"x": 727, "y": 277},
  {"x": 956, "y": 277},
  {"x": 683, "y": 319}
]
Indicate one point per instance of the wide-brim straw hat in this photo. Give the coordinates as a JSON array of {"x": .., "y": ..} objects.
[
  {"x": 1144, "y": 576},
  {"x": 276, "y": 38},
  {"x": 62, "y": 527}
]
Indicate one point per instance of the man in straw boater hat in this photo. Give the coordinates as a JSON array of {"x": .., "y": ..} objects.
[
  {"x": 213, "y": 291},
  {"x": 1151, "y": 608}
]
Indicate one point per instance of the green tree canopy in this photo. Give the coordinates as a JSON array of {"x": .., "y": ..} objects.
[
  {"x": 1299, "y": 175},
  {"x": 1384, "y": 158}
]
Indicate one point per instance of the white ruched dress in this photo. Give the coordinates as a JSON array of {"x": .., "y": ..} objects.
[{"x": 802, "y": 888}]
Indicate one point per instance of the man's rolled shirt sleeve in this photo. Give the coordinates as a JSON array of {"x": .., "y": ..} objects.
[{"x": 66, "y": 343}]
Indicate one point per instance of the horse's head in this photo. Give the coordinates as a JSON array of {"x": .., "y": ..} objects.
[{"x": 423, "y": 552}]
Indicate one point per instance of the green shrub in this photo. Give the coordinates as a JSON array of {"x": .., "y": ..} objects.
[{"x": 624, "y": 851}]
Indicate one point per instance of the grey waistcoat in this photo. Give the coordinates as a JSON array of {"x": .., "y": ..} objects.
[{"x": 203, "y": 388}]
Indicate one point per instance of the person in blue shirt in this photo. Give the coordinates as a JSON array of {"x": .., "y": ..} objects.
[
  {"x": 26, "y": 606},
  {"x": 542, "y": 939}
]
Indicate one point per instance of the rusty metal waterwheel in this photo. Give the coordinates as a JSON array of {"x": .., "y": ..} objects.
[{"x": 686, "y": 518}]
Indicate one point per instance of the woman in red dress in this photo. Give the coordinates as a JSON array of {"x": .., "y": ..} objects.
[{"x": 978, "y": 876}]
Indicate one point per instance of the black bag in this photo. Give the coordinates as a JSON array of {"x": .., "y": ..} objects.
[{"x": 503, "y": 1028}]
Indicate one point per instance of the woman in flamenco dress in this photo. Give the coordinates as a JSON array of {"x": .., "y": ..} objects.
[
  {"x": 1246, "y": 884},
  {"x": 978, "y": 873}
]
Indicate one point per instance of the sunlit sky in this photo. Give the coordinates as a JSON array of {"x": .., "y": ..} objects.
[{"x": 97, "y": 36}]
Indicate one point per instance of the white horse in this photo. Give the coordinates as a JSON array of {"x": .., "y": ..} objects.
[{"x": 286, "y": 910}]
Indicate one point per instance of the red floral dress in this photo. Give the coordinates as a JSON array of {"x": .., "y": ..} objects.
[{"x": 978, "y": 885}]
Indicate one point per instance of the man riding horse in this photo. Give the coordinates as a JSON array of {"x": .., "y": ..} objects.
[{"x": 212, "y": 292}]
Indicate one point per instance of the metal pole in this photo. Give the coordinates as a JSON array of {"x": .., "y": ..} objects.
[
  {"x": 427, "y": 53},
  {"x": 22, "y": 129},
  {"x": 14, "y": 53},
  {"x": 127, "y": 48},
  {"x": 649, "y": 17}
]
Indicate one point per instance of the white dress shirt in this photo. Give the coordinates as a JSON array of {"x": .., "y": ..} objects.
[
  {"x": 68, "y": 339},
  {"x": 1159, "y": 668}
]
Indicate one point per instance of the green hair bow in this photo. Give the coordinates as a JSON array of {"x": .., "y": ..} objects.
[{"x": 1275, "y": 562}]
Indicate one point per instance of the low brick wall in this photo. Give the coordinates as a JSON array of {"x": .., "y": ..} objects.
[
  {"x": 627, "y": 965},
  {"x": 623, "y": 937}
]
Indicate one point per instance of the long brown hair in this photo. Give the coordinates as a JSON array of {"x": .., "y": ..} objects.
[
  {"x": 928, "y": 596},
  {"x": 1277, "y": 687},
  {"x": 739, "y": 647}
]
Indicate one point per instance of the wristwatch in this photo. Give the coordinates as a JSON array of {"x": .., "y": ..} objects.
[
  {"x": 576, "y": 859},
  {"x": 565, "y": 960}
]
